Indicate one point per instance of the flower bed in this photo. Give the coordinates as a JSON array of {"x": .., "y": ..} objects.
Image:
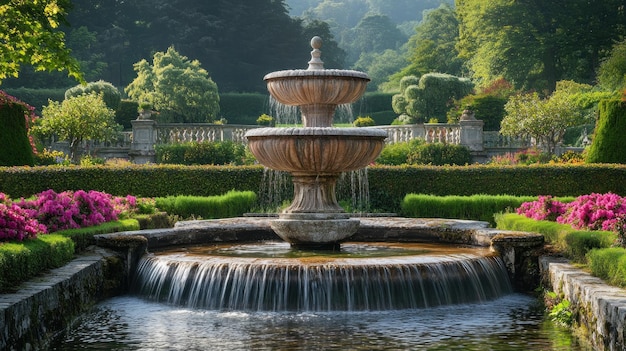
[{"x": 49, "y": 212}]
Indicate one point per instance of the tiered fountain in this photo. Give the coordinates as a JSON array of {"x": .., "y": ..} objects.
[
  {"x": 318, "y": 153},
  {"x": 319, "y": 270}
]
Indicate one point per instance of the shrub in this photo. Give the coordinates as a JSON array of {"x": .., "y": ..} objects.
[
  {"x": 609, "y": 264},
  {"x": 201, "y": 153},
  {"x": 364, "y": 122},
  {"x": 476, "y": 207},
  {"x": 16, "y": 118},
  {"x": 608, "y": 145},
  {"x": 243, "y": 108},
  {"x": 439, "y": 154},
  {"x": 397, "y": 153},
  {"x": 66, "y": 210},
  {"x": 266, "y": 120},
  {"x": 231, "y": 204},
  {"x": 126, "y": 112},
  {"x": 17, "y": 223}
]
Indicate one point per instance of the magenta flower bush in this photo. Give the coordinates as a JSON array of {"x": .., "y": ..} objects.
[
  {"x": 591, "y": 212},
  {"x": 49, "y": 211},
  {"x": 545, "y": 208},
  {"x": 16, "y": 223},
  {"x": 69, "y": 210}
]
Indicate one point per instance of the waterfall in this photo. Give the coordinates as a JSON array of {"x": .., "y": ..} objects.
[{"x": 219, "y": 283}]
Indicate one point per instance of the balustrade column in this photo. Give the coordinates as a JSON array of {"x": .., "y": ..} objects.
[{"x": 471, "y": 131}]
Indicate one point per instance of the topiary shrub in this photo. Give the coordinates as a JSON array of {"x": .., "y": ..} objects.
[
  {"x": 16, "y": 118},
  {"x": 110, "y": 94},
  {"x": 396, "y": 154},
  {"x": 608, "y": 144},
  {"x": 439, "y": 154}
]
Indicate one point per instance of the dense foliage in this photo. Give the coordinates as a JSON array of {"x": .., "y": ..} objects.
[
  {"x": 30, "y": 34},
  {"x": 180, "y": 89},
  {"x": 608, "y": 144},
  {"x": 202, "y": 153},
  {"x": 110, "y": 94},
  {"x": 534, "y": 44},
  {"x": 16, "y": 118}
]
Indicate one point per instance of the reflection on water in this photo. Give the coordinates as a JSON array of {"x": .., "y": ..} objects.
[{"x": 129, "y": 323}]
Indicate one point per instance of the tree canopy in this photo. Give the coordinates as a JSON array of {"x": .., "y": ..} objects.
[
  {"x": 30, "y": 34},
  {"x": 536, "y": 43},
  {"x": 180, "y": 89}
]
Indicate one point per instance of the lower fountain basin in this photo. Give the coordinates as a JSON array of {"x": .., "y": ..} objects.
[
  {"x": 316, "y": 150},
  {"x": 272, "y": 276}
]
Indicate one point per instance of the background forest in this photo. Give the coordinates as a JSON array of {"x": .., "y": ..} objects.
[{"x": 531, "y": 44}]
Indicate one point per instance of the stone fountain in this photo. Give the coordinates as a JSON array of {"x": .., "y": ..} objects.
[{"x": 318, "y": 153}]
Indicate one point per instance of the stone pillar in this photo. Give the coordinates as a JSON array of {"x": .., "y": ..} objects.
[
  {"x": 471, "y": 131},
  {"x": 144, "y": 139}
]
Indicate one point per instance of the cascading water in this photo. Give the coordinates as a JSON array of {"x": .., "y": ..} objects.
[{"x": 261, "y": 277}]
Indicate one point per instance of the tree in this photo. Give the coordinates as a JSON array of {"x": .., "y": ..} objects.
[
  {"x": 373, "y": 34},
  {"x": 77, "y": 119},
  {"x": 612, "y": 71},
  {"x": 432, "y": 47},
  {"x": 536, "y": 43},
  {"x": 545, "y": 120},
  {"x": 29, "y": 35},
  {"x": 178, "y": 88}
]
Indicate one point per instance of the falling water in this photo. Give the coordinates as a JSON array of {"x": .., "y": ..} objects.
[
  {"x": 284, "y": 114},
  {"x": 319, "y": 283},
  {"x": 275, "y": 189}
]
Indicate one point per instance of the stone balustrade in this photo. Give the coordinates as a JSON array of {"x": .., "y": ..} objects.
[{"x": 139, "y": 144}]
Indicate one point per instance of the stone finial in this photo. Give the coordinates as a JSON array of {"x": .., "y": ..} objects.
[
  {"x": 316, "y": 62},
  {"x": 468, "y": 115}
]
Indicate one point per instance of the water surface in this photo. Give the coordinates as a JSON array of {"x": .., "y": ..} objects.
[{"x": 513, "y": 322}]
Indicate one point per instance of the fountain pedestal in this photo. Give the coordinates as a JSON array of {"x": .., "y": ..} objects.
[{"x": 317, "y": 154}]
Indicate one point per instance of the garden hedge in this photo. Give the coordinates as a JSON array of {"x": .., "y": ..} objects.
[
  {"x": 387, "y": 184},
  {"x": 608, "y": 144}
]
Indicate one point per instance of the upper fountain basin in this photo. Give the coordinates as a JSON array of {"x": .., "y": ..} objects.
[
  {"x": 316, "y": 150},
  {"x": 325, "y": 86}
]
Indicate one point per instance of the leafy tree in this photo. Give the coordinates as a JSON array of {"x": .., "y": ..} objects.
[
  {"x": 178, "y": 88},
  {"x": 379, "y": 66},
  {"x": 545, "y": 120},
  {"x": 29, "y": 35},
  {"x": 77, "y": 119},
  {"x": 534, "y": 44},
  {"x": 431, "y": 97},
  {"x": 432, "y": 47},
  {"x": 612, "y": 72}
]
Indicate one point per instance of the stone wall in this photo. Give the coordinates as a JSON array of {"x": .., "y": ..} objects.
[
  {"x": 44, "y": 306},
  {"x": 599, "y": 310}
]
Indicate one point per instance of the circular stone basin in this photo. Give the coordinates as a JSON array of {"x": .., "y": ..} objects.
[
  {"x": 327, "y": 86},
  {"x": 351, "y": 253},
  {"x": 316, "y": 150}
]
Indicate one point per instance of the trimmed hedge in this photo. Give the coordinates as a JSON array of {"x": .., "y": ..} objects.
[
  {"x": 475, "y": 207},
  {"x": 243, "y": 108},
  {"x": 231, "y": 204},
  {"x": 16, "y": 148},
  {"x": 138, "y": 180},
  {"x": 388, "y": 185},
  {"x": 21, "y": 261},
  {"x": 574, "y": 243}
]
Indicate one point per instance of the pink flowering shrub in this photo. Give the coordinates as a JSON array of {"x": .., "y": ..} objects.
[
  {"x": 68, "y": 210},
  {"x": 16, "y": 223},
  {"x": 591, "y": 212},
  {"x": 545, "y": 208}
]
